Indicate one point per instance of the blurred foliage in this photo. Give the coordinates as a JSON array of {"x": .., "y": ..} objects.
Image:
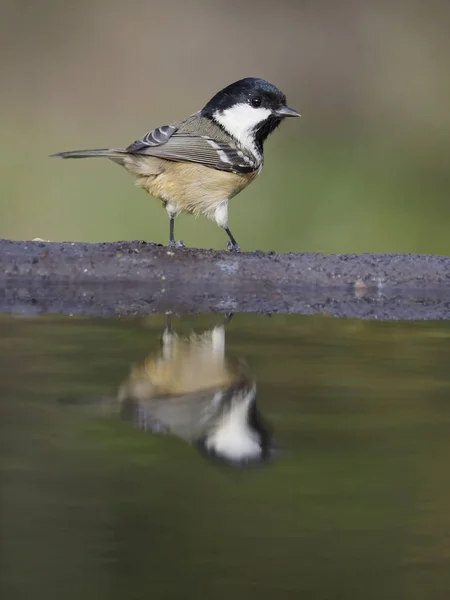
[
  {"x": 365, "y": 169},
  {"x": 355, "y": 505}
]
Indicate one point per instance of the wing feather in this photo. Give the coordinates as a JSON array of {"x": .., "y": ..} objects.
[
  {"x": 158, "y": 136},
  {"x": 169, "y": 143}
]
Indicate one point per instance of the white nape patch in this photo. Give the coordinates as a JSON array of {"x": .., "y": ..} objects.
[
  {"x": 221, "y": 214},
  {"x": 233, "y": 439},
  {"x": 240, "y": 121}
]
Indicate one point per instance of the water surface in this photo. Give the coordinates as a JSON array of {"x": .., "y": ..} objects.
[{"x": 352, "y": 503}]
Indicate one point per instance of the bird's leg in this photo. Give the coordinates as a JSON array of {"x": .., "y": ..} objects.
[
  {"x": 172, "y": 242},
  {"x": 227, "y": 318},
  {"x": 221, "y": 217},
  {"x": 232, "y": 245},
  {"x": 167, "y": 338},
  {"x": 172, "y": 231}
]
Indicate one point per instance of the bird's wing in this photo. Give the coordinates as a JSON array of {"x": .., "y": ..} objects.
[
  {"x": 172, "y": 144},
  {"x": 157, "y": 137}
]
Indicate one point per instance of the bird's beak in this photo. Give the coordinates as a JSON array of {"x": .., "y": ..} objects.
[{"x": 285, "y": 111}]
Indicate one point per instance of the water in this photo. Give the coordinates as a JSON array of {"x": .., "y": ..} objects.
[{"x": 349, "y": 500}]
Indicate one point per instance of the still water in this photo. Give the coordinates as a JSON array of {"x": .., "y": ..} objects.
[{"x": 283, "y": 457}]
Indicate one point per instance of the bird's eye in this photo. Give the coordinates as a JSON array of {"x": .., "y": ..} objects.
[{"x": 255, "y": 101}]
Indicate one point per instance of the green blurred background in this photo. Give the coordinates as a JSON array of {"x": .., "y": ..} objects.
[{"x": 365, "y": 169}]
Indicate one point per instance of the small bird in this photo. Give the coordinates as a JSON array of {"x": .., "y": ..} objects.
[
  {"x": 198, "y": 164},
  {"x": 191, "y": 389}
]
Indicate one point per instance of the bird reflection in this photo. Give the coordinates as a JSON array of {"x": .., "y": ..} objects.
[{"x": 191, "y": 389}]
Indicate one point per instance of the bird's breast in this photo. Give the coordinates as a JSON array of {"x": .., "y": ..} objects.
[{"x": 190, "y": 187}]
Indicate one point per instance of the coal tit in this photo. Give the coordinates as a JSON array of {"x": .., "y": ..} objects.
[{"x": 197, "y": 165}]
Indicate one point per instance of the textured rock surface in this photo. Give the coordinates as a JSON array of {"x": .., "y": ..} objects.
[{"x": 141, "y": 278}]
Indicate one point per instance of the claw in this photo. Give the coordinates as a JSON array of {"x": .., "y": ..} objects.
[
  {"x": 233, "y": 247},
  {"x": 176, "y": 244}
]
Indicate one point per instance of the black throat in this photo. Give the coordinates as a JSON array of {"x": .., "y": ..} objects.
[{"x": 263, "y": 131}]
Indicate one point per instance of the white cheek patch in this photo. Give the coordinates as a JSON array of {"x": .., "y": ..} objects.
[
  {"x": 240, "y": 121},
  {"x": 233, "y": 439}
]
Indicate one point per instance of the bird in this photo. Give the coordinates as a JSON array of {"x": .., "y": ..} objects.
[
  {"x": 192, "y": 390},
  {"x": 197, "y": 165}
]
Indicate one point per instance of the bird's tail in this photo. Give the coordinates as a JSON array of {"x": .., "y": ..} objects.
[{"x": 112, "y": 153}]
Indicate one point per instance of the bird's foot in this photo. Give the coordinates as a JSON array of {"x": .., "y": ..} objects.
[
  {"x": 176, "y": 244},
  {"x": 233, "y": 247}
]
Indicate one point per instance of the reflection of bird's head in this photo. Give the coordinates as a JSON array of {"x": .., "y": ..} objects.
[
  {"x": 193, "y": 391},
  {"x": 238, "y": 435}
]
